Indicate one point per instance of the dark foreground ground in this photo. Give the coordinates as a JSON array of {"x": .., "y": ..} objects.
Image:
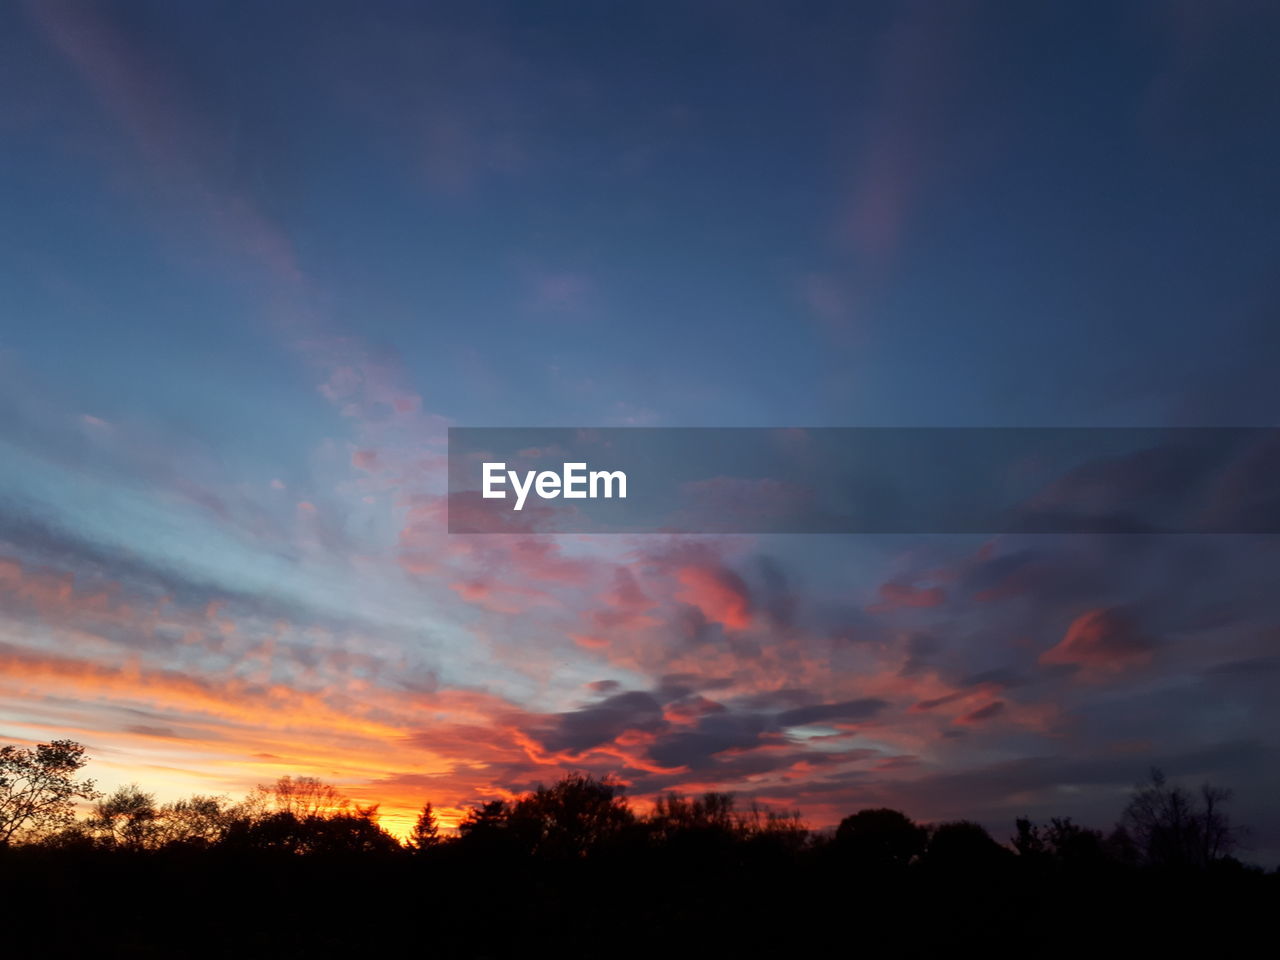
[{"x": 176, "y": 903}]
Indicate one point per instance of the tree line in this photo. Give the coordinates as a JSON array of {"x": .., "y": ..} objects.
[
  {"x": 1163, "y": 824},
  {"x": 297, "y": 869}
]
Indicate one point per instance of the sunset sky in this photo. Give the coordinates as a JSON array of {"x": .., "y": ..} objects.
[{"x": 257, "y": 257}]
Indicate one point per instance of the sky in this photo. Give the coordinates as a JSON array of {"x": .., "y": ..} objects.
[{"x": 255, "y": 259}]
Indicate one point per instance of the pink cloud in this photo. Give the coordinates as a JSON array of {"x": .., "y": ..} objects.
[
  {"x": 897, "y": 596},
  {"x": 718, "y": 592},
  {"x": 1101, "y": 642},
  {"x": 985, "y": 712}
]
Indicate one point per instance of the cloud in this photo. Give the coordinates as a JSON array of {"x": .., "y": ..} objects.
[
  {"x": 898, "y": 596},
  {"x": 714, "y": 734},
  {"x": 718, "y": 593},
  {"x": 1101, "y": 642},
  {"x": 691, "y": 710},
  {"x": 365, "y": 460},
  {"x": 992, "y": 709},
  {"x": 941, "y": 701},
  {"x": 864, "y": 708}
]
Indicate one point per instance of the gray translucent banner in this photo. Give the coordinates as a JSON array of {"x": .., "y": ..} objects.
[{"x": 863, "y": 480}]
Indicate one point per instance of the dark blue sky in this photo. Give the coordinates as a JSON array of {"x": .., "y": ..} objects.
[{"x": 257, "y": 256}]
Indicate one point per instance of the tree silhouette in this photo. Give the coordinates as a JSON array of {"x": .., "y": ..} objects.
[
  {"x": 199, "y": 821},
  {"x": 1061, "y": 843},
  {"x": 572, "y": 816},
  {"x": 301, "y": 796},
  {"x": 781, "y": 831},
  {"x": 126, "y": 819},
  {"x": 1170, "y": 826},
  {"x": 1072, "y": 843},
  {"x": 673, "y": 814},
  {"x": 38, "y": 788},
  {"x": 1028, "y": 841},
  {"x": 484, "y": 830},
  {"x": 570, "y": 863},
  {"x": 355, "y": 832},
  {"x": 426, "y": 831},
  {"x": 963, "y": 845},
  {"x": 280, "y": 831},
  {"x": 304, "y": 816},
  {"x": 573, "y": 862},
  {"x": 881, "y": 838}
]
